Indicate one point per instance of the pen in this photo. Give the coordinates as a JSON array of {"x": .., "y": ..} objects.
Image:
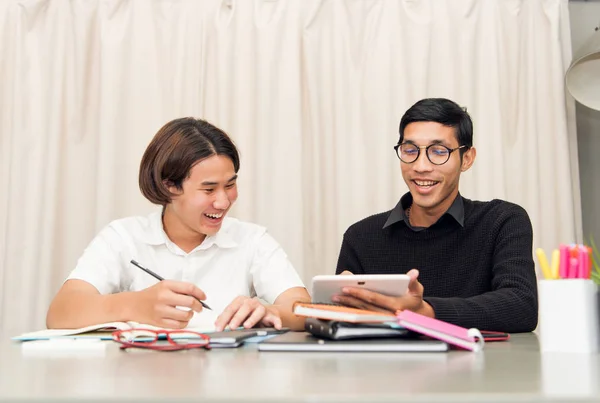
[
  {"x": 564, "y": 262},
  {"x": 544, "y": 263},
  {"x": 555, "y": 263},
  {"x": 159, "y": 278},
  {"x": 582, "y": 258},
  {"x": 573, "y": 263}
]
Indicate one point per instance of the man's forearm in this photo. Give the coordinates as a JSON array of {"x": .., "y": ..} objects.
[{"x": 501, "y": 310}]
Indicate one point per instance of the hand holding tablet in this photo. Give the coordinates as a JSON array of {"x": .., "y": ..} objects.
[
  {"x": 379, "y": 292},
  {"x": 324, "y": 287}
]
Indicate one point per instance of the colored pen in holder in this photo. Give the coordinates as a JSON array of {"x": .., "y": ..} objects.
[{"x": 570, "y": 262}]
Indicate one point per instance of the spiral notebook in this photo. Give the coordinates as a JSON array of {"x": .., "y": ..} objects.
[
  {"x": 335, "y": 330},
  {"x": 468, "y": 339}
]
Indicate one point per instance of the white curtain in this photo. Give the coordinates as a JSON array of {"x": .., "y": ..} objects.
[{"x": 312, "y": 92}]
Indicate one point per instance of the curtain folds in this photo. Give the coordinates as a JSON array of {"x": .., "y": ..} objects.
[{"x": 311, "y": 91}]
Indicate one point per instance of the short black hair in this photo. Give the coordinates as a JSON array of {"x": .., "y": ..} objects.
[
  {"x": 175, "y": 149},
  {"x": 443, "y": 111}
]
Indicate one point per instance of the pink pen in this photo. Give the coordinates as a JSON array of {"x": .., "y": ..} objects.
[
  {"x": 582, "y": 259},
  {"x": 590, "y": 263},
  {"x": 586, "y": 259},
  {"x": 573, "y": 262},
  {"x": 563, "y": 266}
]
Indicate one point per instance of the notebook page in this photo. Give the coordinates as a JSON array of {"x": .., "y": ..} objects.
[{"x": 51, "y": 333}]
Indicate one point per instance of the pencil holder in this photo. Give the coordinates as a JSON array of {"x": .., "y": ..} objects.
[
  {"x": 572, "y": 375},
  {"x": 569, "y": 316}
]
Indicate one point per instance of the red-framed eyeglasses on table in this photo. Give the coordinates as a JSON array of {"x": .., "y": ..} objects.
[{"x": 161, "y": 340}]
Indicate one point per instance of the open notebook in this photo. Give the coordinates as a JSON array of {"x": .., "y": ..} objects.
[
  {"x": 201, "y": 323},
  {"x": 102, "y": 331}
]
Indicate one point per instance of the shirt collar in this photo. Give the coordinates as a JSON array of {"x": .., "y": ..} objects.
[
  {"x": 155, "y": 235},
  {"x": 456, "y": 211},
  {"x": 222, "y": 239}
]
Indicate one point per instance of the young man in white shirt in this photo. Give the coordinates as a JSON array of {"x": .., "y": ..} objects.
[{"x": 190, "y": 169}]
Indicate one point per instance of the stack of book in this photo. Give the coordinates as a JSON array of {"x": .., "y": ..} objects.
[{"x": 339, "y": 323}]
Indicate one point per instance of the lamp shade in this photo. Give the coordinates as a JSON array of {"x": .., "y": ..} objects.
[{"x": 583, "y": 76}]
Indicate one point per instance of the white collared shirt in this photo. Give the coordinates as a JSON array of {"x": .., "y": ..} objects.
[{"x": 241, "y": 259}]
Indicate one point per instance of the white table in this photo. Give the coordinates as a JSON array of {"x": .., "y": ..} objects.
[{"x": 512, "y": 371}]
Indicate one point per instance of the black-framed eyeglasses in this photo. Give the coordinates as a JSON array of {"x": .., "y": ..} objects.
[{"x": 437, "y": 154}]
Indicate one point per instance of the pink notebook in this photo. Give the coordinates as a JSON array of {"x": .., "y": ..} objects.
[{"x": 469, "y": 339}]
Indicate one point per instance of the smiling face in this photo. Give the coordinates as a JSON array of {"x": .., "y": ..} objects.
[
  {"x": 199, "y": 207},
  {"x": 433, "y": 187}
]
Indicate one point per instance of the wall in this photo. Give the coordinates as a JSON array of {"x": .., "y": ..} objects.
[{"x": 585, "y": 18}]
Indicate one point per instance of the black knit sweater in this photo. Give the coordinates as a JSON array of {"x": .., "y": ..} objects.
[{"x": 481, "y": 275}]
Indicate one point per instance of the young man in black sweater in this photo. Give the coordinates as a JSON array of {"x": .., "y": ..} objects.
[{"x": 470, "y": 262}]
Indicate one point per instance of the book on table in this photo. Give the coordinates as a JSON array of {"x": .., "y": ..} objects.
[
  {"x": 104, "y": 331},
  {"x": 336, "y": 330},
  {"x": 303, "y": 341},
  {"x": 101, "y": 331},
  {"x": 341, "y": 313},
  {"x": 469, "y": 339}
]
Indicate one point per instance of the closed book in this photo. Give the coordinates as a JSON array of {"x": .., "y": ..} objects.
[
  {"x": 334, "y": 330},
  {"x": 468, "y": 339},
  {"x": 341, "y": 313}
]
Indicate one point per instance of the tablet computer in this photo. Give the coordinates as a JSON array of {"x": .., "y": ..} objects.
[{"x": 324, "y": 287}]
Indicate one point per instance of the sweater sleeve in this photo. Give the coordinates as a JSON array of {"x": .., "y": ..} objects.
[
  {"x": 348, "y": 259},
  {"x": 512, "y": 305}
]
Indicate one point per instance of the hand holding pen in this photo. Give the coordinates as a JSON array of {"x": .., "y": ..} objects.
[
  {"x": 159, "y": 303},
  {"x": 159, "y": 278}
]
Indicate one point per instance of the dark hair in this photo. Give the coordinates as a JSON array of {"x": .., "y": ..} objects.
[
  {"x": 443, "y": 111},
  {"x": 174, "y": 150}
]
